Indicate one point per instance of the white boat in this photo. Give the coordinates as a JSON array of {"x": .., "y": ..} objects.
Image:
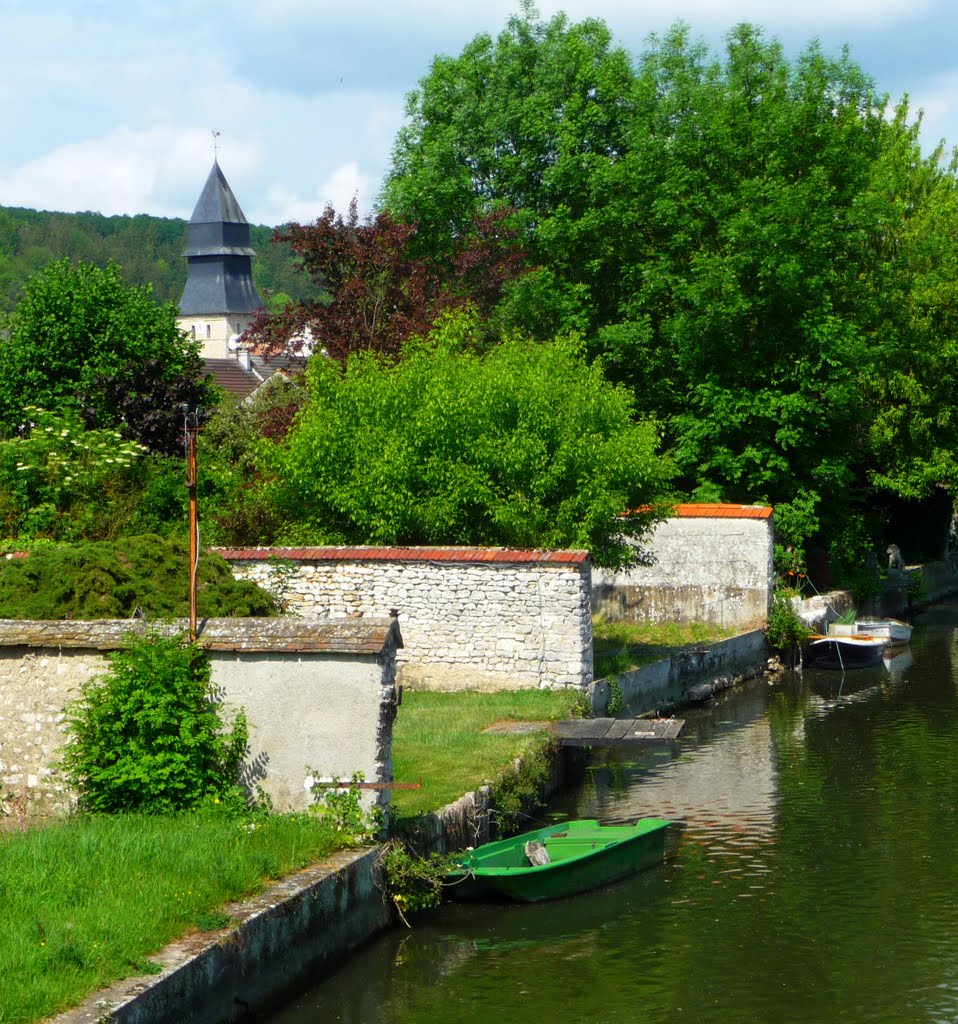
[{"x": 894, "y": 630}]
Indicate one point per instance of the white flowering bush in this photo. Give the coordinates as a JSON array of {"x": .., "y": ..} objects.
[{"x": 56, "y": 479}]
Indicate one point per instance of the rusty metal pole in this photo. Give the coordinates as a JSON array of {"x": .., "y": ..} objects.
[{"x": 191, "y": 427}]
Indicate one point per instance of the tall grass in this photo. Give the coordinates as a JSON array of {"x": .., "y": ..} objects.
[
  {"x": 88, "y": 901},
  {"x": 440, "y": 738}
]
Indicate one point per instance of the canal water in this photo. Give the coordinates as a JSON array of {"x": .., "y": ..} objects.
[{"x": 812, "y": 876}]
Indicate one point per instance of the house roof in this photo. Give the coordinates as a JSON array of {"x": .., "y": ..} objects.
[
  {"x": 219, "y": 279},
  {"x": 231, "y": 376},
  {"x": 217, "y": 204}
]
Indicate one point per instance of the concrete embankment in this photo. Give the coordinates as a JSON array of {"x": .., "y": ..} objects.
[
  {"x": 299, "y": 926},
  {"x": 687, "y": 677},
  {"x": 290, "y": 934}
]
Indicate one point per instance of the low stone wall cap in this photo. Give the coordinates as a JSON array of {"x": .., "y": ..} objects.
[{"x": 251, "y": 635}]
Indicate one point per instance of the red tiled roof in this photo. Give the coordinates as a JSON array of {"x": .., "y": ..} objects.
[
  {"x": 424, "y": 554},
  {"x": 231, "y": 377},
  {"x": 716, "y": 511}
]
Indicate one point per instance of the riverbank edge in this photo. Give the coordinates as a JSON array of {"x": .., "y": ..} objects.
[
  {"x": 308, "y": 921},
  {"x": 303, "y": 925},
  {"x": 314, "y": 919}
]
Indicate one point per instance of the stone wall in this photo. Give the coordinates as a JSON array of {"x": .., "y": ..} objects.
[
  {"x": 712, "y": 563},
  {"x": 318, "y": 696},
  {"x": 473, "y": 618}
]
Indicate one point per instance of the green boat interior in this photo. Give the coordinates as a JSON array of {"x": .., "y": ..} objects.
[{"x": 558, "y": 846}]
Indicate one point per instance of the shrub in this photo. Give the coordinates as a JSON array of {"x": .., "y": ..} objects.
[
  {"x": 110, "y": 579},
  {"x": 785, "y": 628},
  {"x": 148, "y": 736}
]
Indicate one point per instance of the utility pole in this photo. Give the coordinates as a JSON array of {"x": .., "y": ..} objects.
[{"x": 191, "y": 427}]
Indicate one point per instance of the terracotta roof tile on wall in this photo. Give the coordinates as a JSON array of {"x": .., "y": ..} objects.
[
  {"x": 424, "y": 554},
  {"x": 719, "y": 511}
]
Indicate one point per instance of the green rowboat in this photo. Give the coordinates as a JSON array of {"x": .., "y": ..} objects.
[{"x": 561, "y": 860}]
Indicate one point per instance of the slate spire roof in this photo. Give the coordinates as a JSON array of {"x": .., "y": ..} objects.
[{"x": 220, "y": 275}]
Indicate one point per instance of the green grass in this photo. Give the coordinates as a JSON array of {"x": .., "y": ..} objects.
[
  {"x": 440, "y": 739},
  {"x": 90, "y": 900},
  {"x": 621, "y": 646}
]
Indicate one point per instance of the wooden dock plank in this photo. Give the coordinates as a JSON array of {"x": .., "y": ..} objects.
[
  {"x": 619, "y": 728},
  {"x": 672, "y": 728},
  {"x": 585, "y": 729},
  {"x": 604, "y": 732}
]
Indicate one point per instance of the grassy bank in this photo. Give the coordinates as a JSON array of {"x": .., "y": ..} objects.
[
  {"x": 87, "y": 901},
  {"x": 442, "y": 739},
  {"x": 621, "y": 646}
]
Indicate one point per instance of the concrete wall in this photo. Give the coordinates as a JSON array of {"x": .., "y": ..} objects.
[
  {"x": 711, "y": 563},
  {"x": 473, "y": 618},
  {"x": 214, "y": 331},
  {"x": 317, "y": 696}
]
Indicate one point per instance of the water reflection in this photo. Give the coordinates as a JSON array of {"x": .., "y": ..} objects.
[{"x": 812, "y": 877}]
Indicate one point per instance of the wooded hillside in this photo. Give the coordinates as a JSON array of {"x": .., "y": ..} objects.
[{"x": 148, "y": 249}]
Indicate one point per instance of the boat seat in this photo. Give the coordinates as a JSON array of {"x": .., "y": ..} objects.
[{"x": 536, "y": 853}]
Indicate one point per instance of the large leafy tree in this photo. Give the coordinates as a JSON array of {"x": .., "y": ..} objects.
[
  {"x": 80, "y": 338},
  {"x": 532, "y": 121},
  {"x": 755, "y": 246},
  {"x": 525, "y": 445}
]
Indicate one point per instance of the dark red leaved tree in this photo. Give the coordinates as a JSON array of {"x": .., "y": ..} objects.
[{"x": 377, "y": 291}]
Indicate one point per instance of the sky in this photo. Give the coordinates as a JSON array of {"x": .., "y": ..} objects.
[{"x": 111, "y": 105}]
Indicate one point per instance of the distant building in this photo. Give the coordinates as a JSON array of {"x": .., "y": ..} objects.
[{"x": 220, "y": 300}]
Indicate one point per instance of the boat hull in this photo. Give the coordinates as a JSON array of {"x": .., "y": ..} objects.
[
  {"x": 846, "y": 652},
  {"x": 583, "y": 855}
]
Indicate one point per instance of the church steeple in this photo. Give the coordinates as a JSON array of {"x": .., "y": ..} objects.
[{"x": 220, "y": 297}]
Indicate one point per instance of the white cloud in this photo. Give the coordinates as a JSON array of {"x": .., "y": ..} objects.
[
  {"x": 810, "y": 13},
  {"x": 623, "y": 16},
  {"x": 338, "y": 190},
  {"x": 109, "y": 105},
  {"x": 125, "y": 171},
  {"x": 938, "y": 101}
]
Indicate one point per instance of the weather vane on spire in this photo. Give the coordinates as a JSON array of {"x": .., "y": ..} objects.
[{"x": 216, "y": 145}]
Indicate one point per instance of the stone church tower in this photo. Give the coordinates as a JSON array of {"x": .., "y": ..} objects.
[{"x": 219, "y": 299}]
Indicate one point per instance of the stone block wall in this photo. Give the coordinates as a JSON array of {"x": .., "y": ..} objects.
[
  {"x": 473, "y": 618},
  {"x": 712, "y": 563},
  {"x": 319, "y": 697}
]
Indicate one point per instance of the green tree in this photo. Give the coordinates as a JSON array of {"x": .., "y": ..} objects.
[
  {"x": 82, "y": 339},
  {"x": 755, "y": 246},
  {"x": 234, "y": 509},
  {"x": 534, "y": 121},
  {"x": 525, "y": 445}
]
